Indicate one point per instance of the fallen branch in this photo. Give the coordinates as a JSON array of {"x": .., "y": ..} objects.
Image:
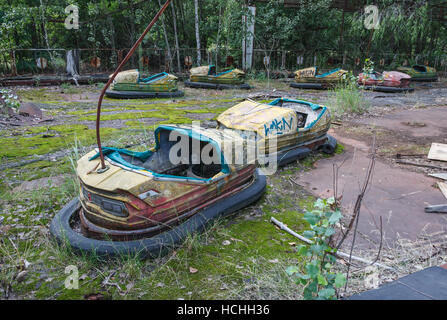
[
  {"x": 420, "y": 165},
  {"x": 338, "y": 254},
  {"x": 400, "y": 155}
]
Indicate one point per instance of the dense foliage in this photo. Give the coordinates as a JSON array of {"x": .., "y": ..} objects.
[
  {"x": 407, "y": 29},
  {"x": 316, "y": 271}
]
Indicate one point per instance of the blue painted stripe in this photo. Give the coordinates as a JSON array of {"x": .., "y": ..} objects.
[
  {"x": 314, "y": 107},
  {"x": 153, "y": 78},
  {"x": 327, "y": 73},
  {"x": 114, "y": 153}
]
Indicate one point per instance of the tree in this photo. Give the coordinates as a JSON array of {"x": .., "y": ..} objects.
[{"x": 196, "y": 19}]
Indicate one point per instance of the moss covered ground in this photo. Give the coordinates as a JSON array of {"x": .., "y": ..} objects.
[{"x": 241, "y": 257}]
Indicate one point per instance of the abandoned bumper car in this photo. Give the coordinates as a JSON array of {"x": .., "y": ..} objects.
[
  {"x": 205, "y": 77},
  {"x": 309, "y": 78},
  {"x": 388, "y": 81},
  {"x": 129, "y": 85},
  {"x": 285, "y": 130},
  {"x": 145, "y": 203},
  {"x": 420, "y": 73}
]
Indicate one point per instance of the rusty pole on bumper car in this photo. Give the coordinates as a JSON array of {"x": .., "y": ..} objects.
[{"x": 101, "y": 97}]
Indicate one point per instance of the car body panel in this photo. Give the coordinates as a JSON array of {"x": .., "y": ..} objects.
[
  {"x": 130, "y": 81},
  {"x": 279, "y": 120},
  {"x": 419, "y": 71},
  {"x": 386, "y": 79},
  {"x": 208, "y": 74},
  {"x": 311, "y": 75},
  {"x": 151, "y": 198}
]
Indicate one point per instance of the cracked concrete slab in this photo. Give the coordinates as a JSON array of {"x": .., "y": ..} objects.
[{"x": 397, "y": 195}]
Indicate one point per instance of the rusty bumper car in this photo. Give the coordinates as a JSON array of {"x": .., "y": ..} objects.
[
  {"x": 388, "y": 81},
  {"x": 285, "y": 129},
  {"x": 147, "y": 204},
  {"x": 420, "y": 73},
  {"x": 309, "y": 78},
  {"x": 129, "y": 85},
  {"x": 205, "y": 77}
]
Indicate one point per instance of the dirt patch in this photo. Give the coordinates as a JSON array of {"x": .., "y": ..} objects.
[
  {"x": 200, "y": 116},
  {"x": 406, "y": 132},
  {"x": 425, "y": 123},
  {"x": 398, "y": 196},
  {"x": 398, "y": 192},
  {"x": 46, "y": 182}
]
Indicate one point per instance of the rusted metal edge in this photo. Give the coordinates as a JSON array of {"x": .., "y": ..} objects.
[{"x": 101, "y": 97}]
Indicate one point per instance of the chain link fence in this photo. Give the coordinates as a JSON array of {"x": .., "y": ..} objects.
[{"x": 26, "y": 62}]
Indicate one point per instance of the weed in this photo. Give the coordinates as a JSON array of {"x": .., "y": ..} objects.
[
  {"x": 316, "y": 271},
  {"x": 348, "y": 98}
]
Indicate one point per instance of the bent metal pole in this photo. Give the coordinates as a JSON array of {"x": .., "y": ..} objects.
[{"x": 101, "y": 97}]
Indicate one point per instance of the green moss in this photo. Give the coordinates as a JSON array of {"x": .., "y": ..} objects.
[
  {"x": 223, "y": 270},
  {"x": 339, "y": 149},
  {"x": 254, "y": 241},
  {"x": 39, "y": 95},
  {"x": 64, "y": 136},
  {"x": 37, "y": 170}
]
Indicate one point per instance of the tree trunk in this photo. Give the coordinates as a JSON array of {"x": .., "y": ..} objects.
[
  {"x": 168, "y": 48},
  {"x": 112, "y": 40},
  {"x": 182, "y": 15},
  {"x": 196, "y": 9},
  {"x": 218, "y": 37},
  {"x": 174, "y": 19},
  {"x": 45, "y": 33},
  {"x": 132, "y": 31}
]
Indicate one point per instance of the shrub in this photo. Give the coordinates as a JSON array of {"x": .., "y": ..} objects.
[
  {"x": 348, "y": 98},
  {"x": 8, "y": 99},
  {"x": 315, "y": 271}
]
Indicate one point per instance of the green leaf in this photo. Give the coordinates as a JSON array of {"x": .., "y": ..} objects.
[
  {"x": 320, "y": 204},
  {"x": 328, "y": 293},
  {"x": 335, "y": 217},
  {"x": 311, "y": 218},
  {"x": 316, "y": 248},
  {"x": 302, "y": 250},
  {"x": 292, "y": 270},
  {"x": 329, "y": 232},
  {"x": 322, "y": 280},
  {"x": 331, "y": 258},
  {"x": 303, "y": 276},
  {"x": 308, "y": 294},
  {"x": 309, "y": 233},
  {"x": 313, "y": 269},
  {"x": 330, "y": 277},
  {"x": 340, "y": 280},
  {"x": 320, "y": 230}
]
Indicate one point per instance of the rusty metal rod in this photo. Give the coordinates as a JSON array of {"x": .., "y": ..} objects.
[
  {"x": 101, "y": 97},
  {"x": 420, "y": 165}
]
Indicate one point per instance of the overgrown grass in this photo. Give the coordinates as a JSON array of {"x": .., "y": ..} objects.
[
  {"x": 347, "y": 98},
  {"x": 241, "y": 257},
  {"x": 249, "y": 266}
]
